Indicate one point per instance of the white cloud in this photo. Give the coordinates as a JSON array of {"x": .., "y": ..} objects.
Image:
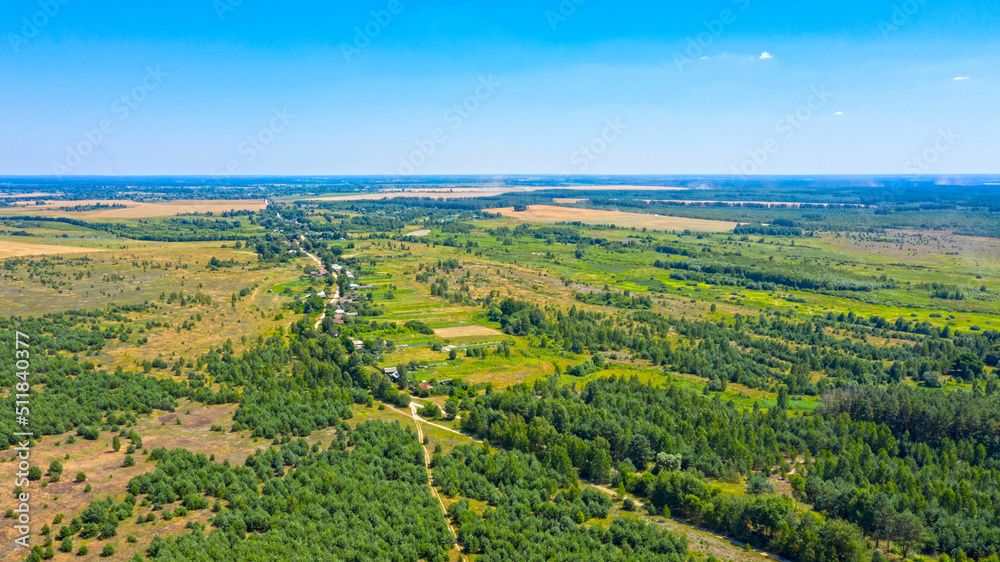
[
  {"x": 959, "y": 78},
  {"x": 766, "y": 56},
  {"x": 839, "y": 113}
]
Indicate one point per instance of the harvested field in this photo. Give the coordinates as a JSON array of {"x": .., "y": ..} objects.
[
  {"x": 32, "y": 194},
  {"x": 552, "y": 214},
  {"x": 488, "y": 191},
  {"x": 432, "y": 193},
  {"x": 786, "y": 204},
  {"x": 617, "y": 187},
  {"x": 135, "y": 209},
  {"x": 465, "y": 331},
  {"x": 19, "y": 249}
]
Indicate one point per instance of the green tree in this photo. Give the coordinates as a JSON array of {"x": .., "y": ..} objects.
[
  {"x": 599, "y": 461},
  {"x": 641, "y": 452},
  {"x": 55, "y": 470},
  {"x": 451, "y": 407},
  {"x": 758, "y": 485},
  {"x": 909, "y": 531}
]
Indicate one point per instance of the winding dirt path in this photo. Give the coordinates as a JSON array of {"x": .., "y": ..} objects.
[{"x": 336, "y": 292}]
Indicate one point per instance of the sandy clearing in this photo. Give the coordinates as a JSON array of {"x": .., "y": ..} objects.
[
  {"x": 615, "y": 187},
  {"x": 19, "y": 249},
  {"x": 419, "y": 233},
  {"x": 33, "y": 194},
  {"x": 465, "y": 331},
  {"x": 135, "y": 209},
  {"x": 551, "y": 214},
  {"x": 432, "y": 194},
  {"x": 487, "y": 191},
  {"x": 788, "y": 204}
]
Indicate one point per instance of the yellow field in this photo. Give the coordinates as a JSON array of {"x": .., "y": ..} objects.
[
  {"x": 32, "y": 194},
  {"x": 458, "y": 193},
  {"x": 619, "y": 188},
  {"x": 440, "y": 192},
  {"x": 551, "y": 214},
  {"x": 788, "y": 204},
  {"x": 19, "y": 249},
  {"x": 465, "y": 331},
  {"x": 135, "y": 209}
]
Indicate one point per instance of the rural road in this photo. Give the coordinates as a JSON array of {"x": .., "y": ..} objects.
[
  {"x": 427, "y": 464},
  {"x": 336, "y": 292},
  {"x": 732, "y": 541},
  {"x": 414, "y": 406}
]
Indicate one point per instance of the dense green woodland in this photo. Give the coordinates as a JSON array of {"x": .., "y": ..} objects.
[
  {"x": 370, "y": 502},
  {"x": 535, "y": 513},
  {"x": 876, "y": 472}
]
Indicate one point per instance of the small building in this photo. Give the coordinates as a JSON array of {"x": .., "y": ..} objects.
[
  {"x": 358, "y": 344},
  {"x": 425, "y": 386},
  {"x": 321, "y": 294},
  {"x": 338, "y": 311}
]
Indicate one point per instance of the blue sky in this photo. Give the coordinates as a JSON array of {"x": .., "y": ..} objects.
[{"x": 433, "y": 87}]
